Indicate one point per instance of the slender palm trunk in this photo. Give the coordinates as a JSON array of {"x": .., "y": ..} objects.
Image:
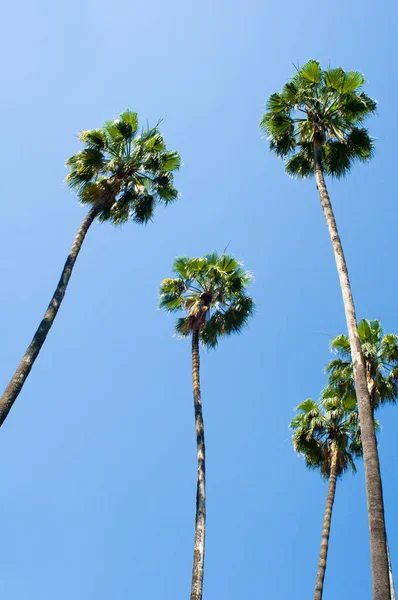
[
  {"x": 15, "y": 386},
  {"x": 377, "y": 531},
  {"x": 199, "y": 545},
  {"x": 392, "y": 586},
  {"x": 327, "y": 518}
]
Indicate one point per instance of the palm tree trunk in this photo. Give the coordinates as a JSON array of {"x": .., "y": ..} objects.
[
  {"x": 199, "y": 545},
  {"x": 377, "y": 531},
  {"x": 392, "y": 586},
  {"x": 15, "y": 386},
  {"x": 327, "y": 518},
  {"x": 371, "y": 389}
]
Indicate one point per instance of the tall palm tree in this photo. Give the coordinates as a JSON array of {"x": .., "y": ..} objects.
[
  {"x": 380, "y": 352},
  {"x": 121, "y": 175},
  {"x": 315, "y": 124},
  {"x": 212, "y": 293},
  {"x": 327, "y": 435}
]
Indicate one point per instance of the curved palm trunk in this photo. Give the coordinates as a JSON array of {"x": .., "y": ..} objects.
[
  {"x": 377, "y": 531},
  {"x": 323, "y": 554},
  {"x": 199, "y": 545},
  {"x": 15, "y": 386}
]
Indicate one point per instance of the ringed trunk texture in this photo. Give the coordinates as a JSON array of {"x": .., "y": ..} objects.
[
  {"x": 15, "y": 386},
  {"x": 200, "y": 524},
  {"x": 377, "y": 531},
  {"x": 371, "y": 390},
  {"x": 323, "y": 554}
]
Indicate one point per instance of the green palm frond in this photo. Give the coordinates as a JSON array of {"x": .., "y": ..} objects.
[
  {"x": 311, "y": 72},
  {"x": 329, "y": 103},
  {"x": 301, "y": 164},
  {"x": 380, "y": 353},
  {"x": 341, "y": 345},
  {"x": 130, "y": 173},
  {"x": 323, "y": 427},
  {"x": 211, "y": 290}
]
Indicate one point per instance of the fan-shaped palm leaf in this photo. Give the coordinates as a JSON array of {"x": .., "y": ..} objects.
[
  {"x": 211, "y": 290},
  {"x": 328, "y": 437},
  {"x": 380, "y": 353}
]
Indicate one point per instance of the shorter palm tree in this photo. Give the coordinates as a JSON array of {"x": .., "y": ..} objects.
[
  {"x": 122, "y": 175},
  {"x": 212, "y": 293},
  {"x": 327, "y": 435},
  {"x": 380, "y": 352}
]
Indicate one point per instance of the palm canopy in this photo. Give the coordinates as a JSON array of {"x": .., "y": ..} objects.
[
  {"x": 329, "y": 104},
  {"x": 320, "y": 427},
  {"x": 212, "y": 292},
  {"x": 131, "y": 171},
  {"x": 380, "y": 353}
]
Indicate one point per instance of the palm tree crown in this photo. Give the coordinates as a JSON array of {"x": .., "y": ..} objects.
[
  {"x": 322, "y": 427},
  {"x": 212, "y": 292},
  {"x": 129, "y": 172},
  {"x": 380, "y": 353},
  {"x": 329, "y": 105}
]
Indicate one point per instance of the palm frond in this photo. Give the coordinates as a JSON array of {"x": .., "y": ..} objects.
[
  {"x": 381, "y": 359},
  {"x": 130, "y": 174},
  {"x": 300, "y": 165},
  {"x": 212, "y": 292},
  {"x": 325, "y": 427},
  {"x": 330, "y": 103}
]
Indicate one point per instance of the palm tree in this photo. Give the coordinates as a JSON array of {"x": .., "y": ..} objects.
[
  {"x": 327, "y": 435},
  {"x": 212, "y": 293},
  {"x": 121, "y": 175},
  {"x": 380, "y": 352},
  {"x": 315, "y": 123}
]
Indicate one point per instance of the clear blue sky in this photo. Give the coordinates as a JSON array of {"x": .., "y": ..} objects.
[{"x": 98, "y": 455}]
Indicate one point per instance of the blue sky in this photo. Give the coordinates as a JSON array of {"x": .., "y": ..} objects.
[{"x": 98, "y": 455}]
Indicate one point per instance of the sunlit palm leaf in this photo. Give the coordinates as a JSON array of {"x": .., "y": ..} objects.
[
  {"x": 212, "y": 292},
  {"x": 130, "y": 173},
  {"x": 330, "y": 103}
]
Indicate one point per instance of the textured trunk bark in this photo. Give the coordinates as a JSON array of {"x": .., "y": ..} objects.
[
  {"x": 14, "y": 387},
  {"x": 323, "y": 554},
  {"x": 200, "y": 525},
  {"x": 371, "y": 389},
  {"x": 377, "y": 531},
  {"x": 392, "y": 586}
]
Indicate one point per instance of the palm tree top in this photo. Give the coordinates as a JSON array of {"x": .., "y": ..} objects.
[
  {"x": 212, "y": 292},
  {"x": 319, "y": 427},
  {"x": 128, "y": 170},
  {"x": 380, "y": 353},
  {"x": 327, "y": 105}
]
